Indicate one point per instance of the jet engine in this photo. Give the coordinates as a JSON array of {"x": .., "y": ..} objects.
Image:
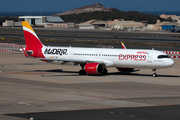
[{"x": 94, "y": 68}]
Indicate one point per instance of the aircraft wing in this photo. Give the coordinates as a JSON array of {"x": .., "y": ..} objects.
[{"x": 78, "y": 61}]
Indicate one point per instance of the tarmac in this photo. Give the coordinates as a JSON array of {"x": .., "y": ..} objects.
[
  {"x": 43, "y": 91},
  {"x": 77, "y": 35}
]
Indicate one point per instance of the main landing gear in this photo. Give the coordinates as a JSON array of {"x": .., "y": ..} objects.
[
  {"x": 82, "y": 72},
  {"x": 154, "y": 73},
  {"x": 105, "y": 71}
]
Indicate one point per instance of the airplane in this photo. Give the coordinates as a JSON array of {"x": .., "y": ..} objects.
[{"x": 94, "y": 61}]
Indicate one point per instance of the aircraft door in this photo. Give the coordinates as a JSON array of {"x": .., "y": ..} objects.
[
  {"x": 71, "y": 54},
  {"x": 149, "y": 57}
]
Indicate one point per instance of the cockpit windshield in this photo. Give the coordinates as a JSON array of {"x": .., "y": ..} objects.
[{"x": 162, "y": 56}]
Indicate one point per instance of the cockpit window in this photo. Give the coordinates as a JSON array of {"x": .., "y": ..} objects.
[{"x": 162, "y": 56}]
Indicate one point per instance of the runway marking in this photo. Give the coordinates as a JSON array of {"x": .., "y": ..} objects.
[
  {"x": 148, "y": 101},
  {"x": 23, "y": 103},
  {"x": 163, "y": 103},
  {"x": 25, "y": 73},
  {"x": 119, "y": 112},
  {"x": 112, "y": 96}
]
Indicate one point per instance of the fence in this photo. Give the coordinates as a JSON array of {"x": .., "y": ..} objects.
[{"x": 8, "y": 47}]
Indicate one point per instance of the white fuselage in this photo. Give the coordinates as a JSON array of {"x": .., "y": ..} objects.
[{"x": 127, "y": 58}]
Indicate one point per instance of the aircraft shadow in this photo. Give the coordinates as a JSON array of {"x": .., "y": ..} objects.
[
  {"x": 57, "y": 71},
  {"x": 54, "y": 70},
  {"x": 137, "y": 74},
  {"x": 108, "y": 74}
]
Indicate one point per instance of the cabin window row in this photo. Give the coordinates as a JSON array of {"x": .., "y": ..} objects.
[{"x": 96, "y": 54}]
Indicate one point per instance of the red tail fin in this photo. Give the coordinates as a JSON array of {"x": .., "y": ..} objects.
[
  {"x": 124, "y": 47},
  {"x": 31, "y": 38},
  {"x": 34, "y": 45}
]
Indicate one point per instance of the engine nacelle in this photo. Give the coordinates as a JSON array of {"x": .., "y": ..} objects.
[
  {"x": 94, "y": 68},
  {"x": 125, "y": 69}
]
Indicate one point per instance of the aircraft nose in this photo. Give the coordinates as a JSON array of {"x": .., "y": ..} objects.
[{"x": 170, "y": 62}]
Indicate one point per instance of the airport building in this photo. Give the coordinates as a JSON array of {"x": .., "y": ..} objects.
[
  {"x": 33, "y": 20},
  {"x": 92, "y": 24},
  {"x": 40, "y": 20},
  {"x": 174, "y": 18},
  {"x": 11, "y": 23},
  {"x": 130, "y": 25},
  {"x": 59, "y": 25},
  {"x": 124, "y": 25},
  {"x": 165, "y": 25}
]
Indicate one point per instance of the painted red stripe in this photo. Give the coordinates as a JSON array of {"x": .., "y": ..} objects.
[
  {"x": 171, "y": 52},
  {"x": 174, "y": 56},
  {"x": 4, "y": 50}
]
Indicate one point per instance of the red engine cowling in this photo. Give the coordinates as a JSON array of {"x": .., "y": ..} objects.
[
  {"x": 94, "y": 68},
  {"x": 125, "y": 69}
]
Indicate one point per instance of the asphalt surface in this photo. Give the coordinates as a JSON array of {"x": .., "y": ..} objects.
[
  {"x": 158, "y": 40},
  {"x": 31, "y": 88},
  {"x": 100, "y": 35},
  {"x": 138, "y": 113}
]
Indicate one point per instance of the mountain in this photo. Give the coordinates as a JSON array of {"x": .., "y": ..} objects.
[
  {"x": 87, "y": 9},
  {"x": 98, "y": 11}
]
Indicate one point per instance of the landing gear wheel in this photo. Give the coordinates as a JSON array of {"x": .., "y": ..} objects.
[
  {"x": 82, "y": 72},
  {"x": 105, "y": 71},
  {"x": 154, "y": 73}
]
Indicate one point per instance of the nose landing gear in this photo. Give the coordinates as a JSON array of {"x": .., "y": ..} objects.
[{"x": 154, "y": 73}]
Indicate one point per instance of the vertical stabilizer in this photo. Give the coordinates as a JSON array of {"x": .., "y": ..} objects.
[
  {"x": 33, "y": 43},
  {"x": 31, "y": 38},
  {"x": 124, "y": 47}
]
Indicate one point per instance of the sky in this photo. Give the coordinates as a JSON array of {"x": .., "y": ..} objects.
[{"x": 66, "y": 5}]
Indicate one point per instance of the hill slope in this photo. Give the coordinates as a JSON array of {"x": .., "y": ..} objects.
[
  {"x": 87, "y": 9},
  {"x": 98, "y": 11}
]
